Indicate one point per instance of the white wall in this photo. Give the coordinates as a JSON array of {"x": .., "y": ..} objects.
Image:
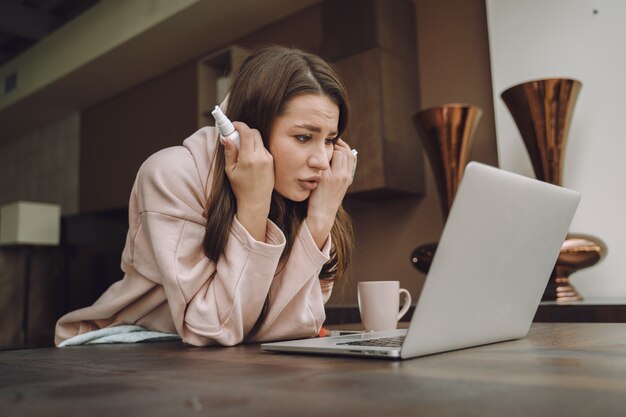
[{"x": 564, "y": 38}]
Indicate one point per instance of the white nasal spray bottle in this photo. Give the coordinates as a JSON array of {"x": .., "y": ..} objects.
[{"x": 225, "y": 126}]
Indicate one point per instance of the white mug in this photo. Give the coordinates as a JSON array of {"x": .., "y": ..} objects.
[{"x": 379, "y": 302}]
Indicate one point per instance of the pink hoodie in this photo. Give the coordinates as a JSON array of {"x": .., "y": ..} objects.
[{"x": 171, "y": 286}]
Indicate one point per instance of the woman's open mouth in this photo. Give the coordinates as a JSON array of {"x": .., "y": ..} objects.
[{"x": 308, "y": 184}]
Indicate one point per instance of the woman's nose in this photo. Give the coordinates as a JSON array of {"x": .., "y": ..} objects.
[{"x": 320, "y": 158}]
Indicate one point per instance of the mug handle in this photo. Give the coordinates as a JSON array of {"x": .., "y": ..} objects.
[{"x": 407, "y": 302}]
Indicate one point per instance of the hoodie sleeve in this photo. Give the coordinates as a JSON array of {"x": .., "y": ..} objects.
[
  {"x": 211, "y": 302},
  {"x": 297, "y": 295}
]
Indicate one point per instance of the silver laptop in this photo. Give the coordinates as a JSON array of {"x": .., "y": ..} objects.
[{"x": 494, "y": 258}]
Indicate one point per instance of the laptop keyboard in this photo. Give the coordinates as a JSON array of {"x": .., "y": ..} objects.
[{"x": 380, "y": 342}]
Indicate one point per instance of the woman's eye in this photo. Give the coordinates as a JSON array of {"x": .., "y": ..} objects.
[
  {"x": 331, "y": 141},
  {"x": 303, "y": 138}
]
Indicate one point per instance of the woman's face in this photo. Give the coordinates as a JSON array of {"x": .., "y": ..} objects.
[{"x": 301, "y": 143}]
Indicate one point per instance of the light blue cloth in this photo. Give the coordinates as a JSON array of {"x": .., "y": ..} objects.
[{"x": 118, "y": 334}]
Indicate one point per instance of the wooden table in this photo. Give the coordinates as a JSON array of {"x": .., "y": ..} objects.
[{"x": 565, "y": 369}]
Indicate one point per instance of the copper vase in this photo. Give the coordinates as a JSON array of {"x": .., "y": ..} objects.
[
  {"x": 447, "y": 133},
  {"x": 542, "y": 110}
]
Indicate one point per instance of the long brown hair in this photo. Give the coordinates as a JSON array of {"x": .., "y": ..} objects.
[{"x": 260, "y": 91}]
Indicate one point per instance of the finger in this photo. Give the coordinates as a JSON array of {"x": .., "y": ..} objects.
[
  {"x": 338, "y": 162},
  {"x": 350, "y": 161},
  {"x": 258, "y": 140},
  {"x": 343, "y": 144},
  {"x": 352, "y": 154},
  {"x": 246, "y": 142},
  {"x": 343, "y": 147},
  {"x": 231, "y": 153}
]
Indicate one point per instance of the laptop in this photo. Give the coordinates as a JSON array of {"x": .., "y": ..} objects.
[{"x": 492, "y": 264}]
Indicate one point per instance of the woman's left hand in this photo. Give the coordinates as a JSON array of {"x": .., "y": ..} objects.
[{"x": 327, "y": 197}]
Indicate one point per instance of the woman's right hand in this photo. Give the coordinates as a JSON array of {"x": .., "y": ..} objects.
[{"x": 250, "y": 171}]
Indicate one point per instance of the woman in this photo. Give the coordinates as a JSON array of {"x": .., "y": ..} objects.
[{"x": 228, "y": 245}]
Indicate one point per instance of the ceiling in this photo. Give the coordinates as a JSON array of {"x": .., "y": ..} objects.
[{"x": 25, "y": 22}]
